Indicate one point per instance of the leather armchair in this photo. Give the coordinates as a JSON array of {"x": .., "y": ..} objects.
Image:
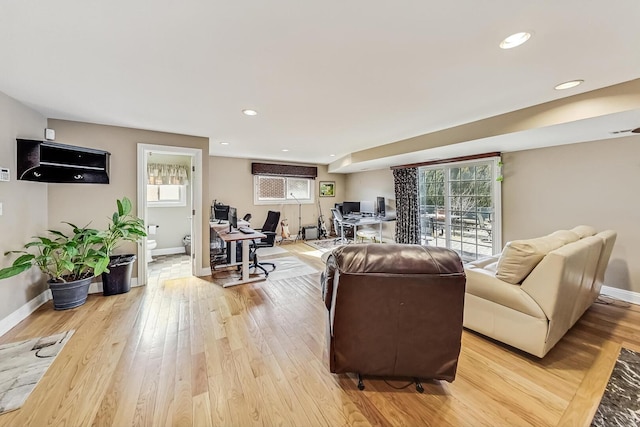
[{"x": 394, "y": 310}]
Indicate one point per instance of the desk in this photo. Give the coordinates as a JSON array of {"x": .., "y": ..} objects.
[
  {"x": 363, "y": 220},
  {"x": 245, "y": 241},
  {"x": 222, "y": 230}
]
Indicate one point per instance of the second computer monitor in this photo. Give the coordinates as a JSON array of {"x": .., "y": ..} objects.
[
  {"x": 350, "y": 207},
  {"x": 233, "y": 219},
  {"x": 381, "y": 203},
  {"x": 367, "y": 207}
]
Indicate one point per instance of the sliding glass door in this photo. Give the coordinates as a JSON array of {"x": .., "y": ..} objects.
[{"x": 460, "y": 207}]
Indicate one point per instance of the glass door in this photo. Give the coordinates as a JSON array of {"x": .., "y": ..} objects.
[{"x": 460, "y": 208}]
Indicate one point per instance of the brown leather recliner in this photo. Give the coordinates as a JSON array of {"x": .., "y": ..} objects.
[{"x": 394, "y": 310}]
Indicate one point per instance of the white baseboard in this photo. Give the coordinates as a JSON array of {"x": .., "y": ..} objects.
[
  {"x": 168, "y": 251},
  {"x": 204, "y": 271},
  {"x": 621, "y": 294},
  {"x": 23, "y": 312}
]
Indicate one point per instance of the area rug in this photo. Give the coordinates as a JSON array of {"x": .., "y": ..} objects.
[
  {"x": 273, "y": 250},
  {"x": 324, "y": 245},
  {"x": 288, "y": 267},
  {"x": 620, "y": 404},
  {"x": 22, "y": 364}
]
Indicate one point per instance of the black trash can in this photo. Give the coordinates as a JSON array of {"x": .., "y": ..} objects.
[{"x": 118, "y": 279}]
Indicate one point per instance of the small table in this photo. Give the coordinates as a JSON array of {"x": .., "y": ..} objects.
[{"x": 245, "y": 240}]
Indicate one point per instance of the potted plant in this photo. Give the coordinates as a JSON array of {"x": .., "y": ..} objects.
[
  {"x": 70, "y": 262},
  {"x": 123, "y": 227}
]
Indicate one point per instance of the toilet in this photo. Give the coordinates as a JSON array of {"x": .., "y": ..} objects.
[
  {"x": 151, "y": 244},
  {"x": 152, "y": 229}
]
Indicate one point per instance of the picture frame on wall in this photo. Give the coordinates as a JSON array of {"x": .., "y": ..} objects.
[{"x": 327, "y": 188}]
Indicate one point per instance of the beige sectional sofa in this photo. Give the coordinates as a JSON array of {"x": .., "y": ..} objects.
[{"x": 532, "y": 293}]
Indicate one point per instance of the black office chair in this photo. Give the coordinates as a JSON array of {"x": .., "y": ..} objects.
[
  {"x": 338, "y": 220},
  {"x": 268, "y": 229}
]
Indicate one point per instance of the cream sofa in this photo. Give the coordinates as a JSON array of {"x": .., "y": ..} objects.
[{"x": 532, "y": 293}]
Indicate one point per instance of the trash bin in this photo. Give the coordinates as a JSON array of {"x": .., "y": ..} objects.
[
  {"x": 118, "y": 279},
  {"x": 187, "y": 244}
]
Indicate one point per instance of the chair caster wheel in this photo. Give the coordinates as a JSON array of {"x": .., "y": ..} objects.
[
  {"x": 419, "y": 388},
  {"x": 360, "y": 383}
]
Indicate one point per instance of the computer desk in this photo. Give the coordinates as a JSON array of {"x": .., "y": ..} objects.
[
  {"x": 359, "y": 220},
  {"x": 223, "y": 231}
]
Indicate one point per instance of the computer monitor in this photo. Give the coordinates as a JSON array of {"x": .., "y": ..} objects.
[
  {"x": 367, "y": 207},
  {"x": 380, "y": 202},
  {"x": 350, "y": 207},
  {"x": 220, "y": 212},
  {"x": 233, "y": 220}
]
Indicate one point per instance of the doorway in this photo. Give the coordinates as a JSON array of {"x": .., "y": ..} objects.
[{"x": 169, "y": 199}]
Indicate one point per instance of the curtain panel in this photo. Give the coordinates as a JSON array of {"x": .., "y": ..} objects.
[{"x": 407, "y": 212}]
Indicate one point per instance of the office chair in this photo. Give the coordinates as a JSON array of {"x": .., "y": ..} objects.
[
  {"x": 338, "y": 220},
  {"x": 268, "y": 229}
]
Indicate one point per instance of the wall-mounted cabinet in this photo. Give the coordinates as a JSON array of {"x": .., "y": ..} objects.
[{"x": 46, "y": 161}]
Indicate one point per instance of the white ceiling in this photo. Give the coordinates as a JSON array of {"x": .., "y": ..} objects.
[{"x": 330, "y": 77}]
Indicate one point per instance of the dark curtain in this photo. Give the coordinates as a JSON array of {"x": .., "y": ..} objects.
[{"x": 407, "y": 213}]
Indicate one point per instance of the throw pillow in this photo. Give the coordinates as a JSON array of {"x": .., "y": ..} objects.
[
  {"x": 584, "y": 231},
  {"x": 519, "y": 257}
]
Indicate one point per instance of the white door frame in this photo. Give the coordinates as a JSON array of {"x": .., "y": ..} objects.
[{"x": 196, "y": 203}]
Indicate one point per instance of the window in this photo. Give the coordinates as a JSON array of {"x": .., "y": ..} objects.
[
  {"x": 166, "y": 195},
  {"x": 460, "y": 208},
  {"x": 276, "y": 189}
]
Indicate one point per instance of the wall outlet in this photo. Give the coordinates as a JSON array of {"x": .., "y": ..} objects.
[{"x": 4, "y": 174}]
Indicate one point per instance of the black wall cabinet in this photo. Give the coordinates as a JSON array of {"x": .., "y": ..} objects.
[{"x": 46, "y": 161}]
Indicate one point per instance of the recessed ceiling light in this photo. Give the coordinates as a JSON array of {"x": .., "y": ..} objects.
[
  {"x": 515, "y": 40},
  {"x": 249, "y": 112},
  {"x": 285, "y": 149},
  {"x": 568, "y": 85},
  {"x": 332, "y": 155},
  {"x": 224, "y": 143}
]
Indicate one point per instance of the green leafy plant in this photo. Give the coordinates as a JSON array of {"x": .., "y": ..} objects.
[
  {"x": 62, "y": 257},
  {"x": 81, "y": 254},
  {"x": 123, "y": 227}
]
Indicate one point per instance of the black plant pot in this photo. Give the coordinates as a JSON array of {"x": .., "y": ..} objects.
[
  {"x": 70, "y": 294},
  {"x": 118, "y": 279}
]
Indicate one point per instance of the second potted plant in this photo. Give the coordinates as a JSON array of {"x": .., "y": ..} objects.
[
  {"x": 69, "y": 260},
  {"x": 123, "y": 227}
]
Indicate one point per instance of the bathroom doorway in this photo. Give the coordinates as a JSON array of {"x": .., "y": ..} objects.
[{"x": 169, "y": 197}]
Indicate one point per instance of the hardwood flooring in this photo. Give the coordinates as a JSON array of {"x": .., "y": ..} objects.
[{"x": 189, "y": 352}]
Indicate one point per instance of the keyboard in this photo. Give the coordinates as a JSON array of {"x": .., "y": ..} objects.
[{"x": 246, "y": 230}]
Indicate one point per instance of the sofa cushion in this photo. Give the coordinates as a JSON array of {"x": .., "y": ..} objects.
[
  {"x": 566, "y": 236},
  {"x": 584, "y": 231},
  {"x": 519, "y": 257},
  {"x": 483, "y": 284}
]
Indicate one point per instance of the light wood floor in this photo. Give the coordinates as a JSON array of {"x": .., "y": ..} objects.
[{"x": 189, "y": 352}]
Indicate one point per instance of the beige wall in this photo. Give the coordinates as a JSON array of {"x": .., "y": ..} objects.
[
  {"x": 592, "y": 183},
  {"x": 24, "y": 204},
  {"x": 232, "y": 183},
  {"x": 368, "y": 186},
  {"x": 558, "y": 188},
  {"x": 84, "y": 203}
]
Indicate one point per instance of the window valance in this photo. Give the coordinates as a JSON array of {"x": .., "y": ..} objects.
[
  {"x": 165, "y": 174},
  {"x": 296, "y": 171}
]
